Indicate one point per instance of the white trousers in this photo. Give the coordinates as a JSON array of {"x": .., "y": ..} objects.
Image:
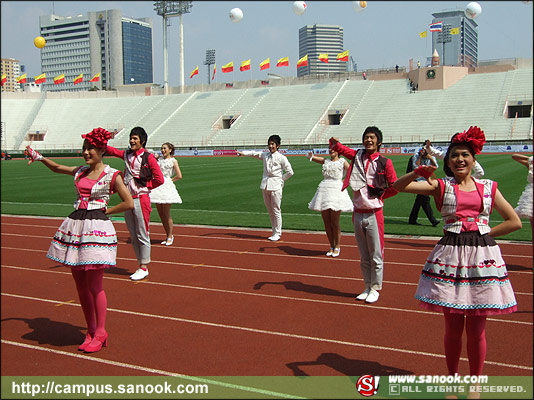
[{"x": 273, "y": 201}]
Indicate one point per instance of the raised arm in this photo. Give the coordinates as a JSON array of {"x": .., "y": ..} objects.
[
  {"x": 342, "y": 150},
  {"x": 52, "y": 165},
  {"x": 430, "y": 187},
  {"x": 112, "y": 151},
  {"x": 249, "y": 153},
  {"x": 318, "y": 160},
  {"x": 521, "y": 159}
]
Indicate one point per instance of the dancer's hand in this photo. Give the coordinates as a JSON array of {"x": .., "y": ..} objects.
[
  {"x": 34, "y": 155},
  {"x": 426, "y": 171}
]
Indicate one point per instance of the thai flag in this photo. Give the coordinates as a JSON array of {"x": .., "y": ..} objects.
[{"x": 436, "y": 26}]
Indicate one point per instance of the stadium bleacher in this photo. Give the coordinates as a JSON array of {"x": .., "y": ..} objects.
[{"x": 298, "y": 113}]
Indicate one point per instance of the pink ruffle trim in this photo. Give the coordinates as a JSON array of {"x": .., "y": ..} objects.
[
  {"x": 90, "y": 267},
  {"x": 477, "y": 312}
]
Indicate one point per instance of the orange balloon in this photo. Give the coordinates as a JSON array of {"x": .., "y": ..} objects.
[
  {"x": 363, "y": 4},
  {"x": 39, "y": 42}
]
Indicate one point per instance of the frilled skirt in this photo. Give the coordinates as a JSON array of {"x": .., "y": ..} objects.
[
  {"x": 465, "y": 273},
  {"x": 329, "y": 196},
  {"x": 85, "y": 240}
]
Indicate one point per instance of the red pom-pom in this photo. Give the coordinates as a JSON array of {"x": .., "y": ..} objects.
[{"x": 474, "y": 136}]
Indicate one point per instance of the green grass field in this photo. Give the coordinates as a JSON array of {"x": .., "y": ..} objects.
[{"x": 225, "y": 191}]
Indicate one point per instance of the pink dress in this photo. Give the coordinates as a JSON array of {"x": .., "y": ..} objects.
[
  {"x": 87, "y": 239},
  {"x": 465, "y": 273}
]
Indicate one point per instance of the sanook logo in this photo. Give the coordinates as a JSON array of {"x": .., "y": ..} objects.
[{"x": 367, "y": 385}]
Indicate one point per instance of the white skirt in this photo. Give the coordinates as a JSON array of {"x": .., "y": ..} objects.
[
  {"x": 330, "y": 197},
  {"x": 166, "y": 193},
  {"x": 524, "y": 205}
]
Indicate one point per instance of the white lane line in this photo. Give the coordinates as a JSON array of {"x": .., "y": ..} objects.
[
  {"x": 276, "y": 333},
  {"x": 152, "y": 370},
  {"x": 235, "y": 292}
]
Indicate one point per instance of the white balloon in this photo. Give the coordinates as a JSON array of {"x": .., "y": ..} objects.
[
  {"x": 473, "y": 10},
  {"x": 299, "y": 7},
  {"x": 236, "y": 14},
  {"x": 359, "y": 6}
]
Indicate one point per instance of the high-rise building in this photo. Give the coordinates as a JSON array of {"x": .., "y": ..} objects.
[
  {"x": 321, "y": 39},
  {"x": 457, "y": 43},
  {"x": 104, "y": 42},
  {"x": 11, "y": 68}
]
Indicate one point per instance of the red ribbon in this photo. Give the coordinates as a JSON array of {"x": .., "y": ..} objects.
[
  {"x": 98, "y": 137},
  {"x": 474, "y": 136}
]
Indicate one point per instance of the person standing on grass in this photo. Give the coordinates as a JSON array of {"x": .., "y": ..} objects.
[
  {"x": 165, "y": 195},
  {"x": 524, "y": 205},
  {"x": 371, "y": 177},
  {"x": 86, "y": 241},
  {"x": 465, "y": 276},
  {"x": 329, "y": 199},
  {"x": 141, "y": 174},
  {"x": 421, "y": 201},
  {"x": 276, "y": 170}
]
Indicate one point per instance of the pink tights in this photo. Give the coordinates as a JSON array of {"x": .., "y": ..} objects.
[
  {"x": 92, "y": 299},
  {"x": 475, "y": 328}
]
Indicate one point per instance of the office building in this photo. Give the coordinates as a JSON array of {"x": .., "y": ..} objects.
[
  {"x": 457, "y": 43},
  {"x": 11, "y": 68},
  {"x": 105, "y": 42},
  {"x": 321, "y": 39}
]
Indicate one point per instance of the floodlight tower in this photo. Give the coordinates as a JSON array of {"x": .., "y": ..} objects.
[
  {"x": 209, "y": 61},
  {"x": 169, "y": 9}
]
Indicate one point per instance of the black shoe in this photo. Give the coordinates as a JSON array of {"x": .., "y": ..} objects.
[
  {"x": 414, "y": 223},
  {"x": 435, "y": 223}
]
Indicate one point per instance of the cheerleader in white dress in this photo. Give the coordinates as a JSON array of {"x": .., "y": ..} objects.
[
  {"x": 524, "y": 205},
  {"x": 166, "y": 195},
  {"x": 329, "y": 199}
]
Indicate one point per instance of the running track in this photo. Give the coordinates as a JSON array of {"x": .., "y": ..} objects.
[{"x": 227, "y": 302}]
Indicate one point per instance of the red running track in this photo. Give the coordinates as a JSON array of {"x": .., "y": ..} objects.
[{"x": 227, "y": 302}]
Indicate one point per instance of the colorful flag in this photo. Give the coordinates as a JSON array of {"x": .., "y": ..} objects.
[
  {"x": 194, "y": 72},
  {"x": 245, "y": 65},
  {"x": 95, "y": 78},
  {"x": 4, "y": 79},
  {"x": 228, "y": 67},
  {"x": 423, "y": 34},
  {"x": 78, "y": 79},
  {"x": 436, "y": 26},
  {"x": 302, "y": 62},
  {"x": 283, "y": 62},
  {"x": 21, "y": 79},
  {"x": 59, "y": 79},
  {"x": 265, "y": 64},
  {"x": 343, "y": 56},
  {"x": 40, "y": 79},
  {"x": 323, "y": 58},
  {"x": 455, "y": 31},
  {"x": 214, "y": 68}
]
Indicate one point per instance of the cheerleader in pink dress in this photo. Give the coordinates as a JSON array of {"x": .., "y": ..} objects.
[
  {"x": 465, "y": 276},
  {"x": 86, "y": 241}
]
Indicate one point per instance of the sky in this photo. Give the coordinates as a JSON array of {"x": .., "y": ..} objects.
[{"x": 386, "y": 33}]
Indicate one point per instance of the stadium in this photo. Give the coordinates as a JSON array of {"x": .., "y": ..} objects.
[
  {"x": 305, "y": 112},
  {"x": 227, "y": 309}
]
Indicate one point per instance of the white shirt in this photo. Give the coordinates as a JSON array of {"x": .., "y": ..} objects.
[{"x": 274, "y": 165}]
